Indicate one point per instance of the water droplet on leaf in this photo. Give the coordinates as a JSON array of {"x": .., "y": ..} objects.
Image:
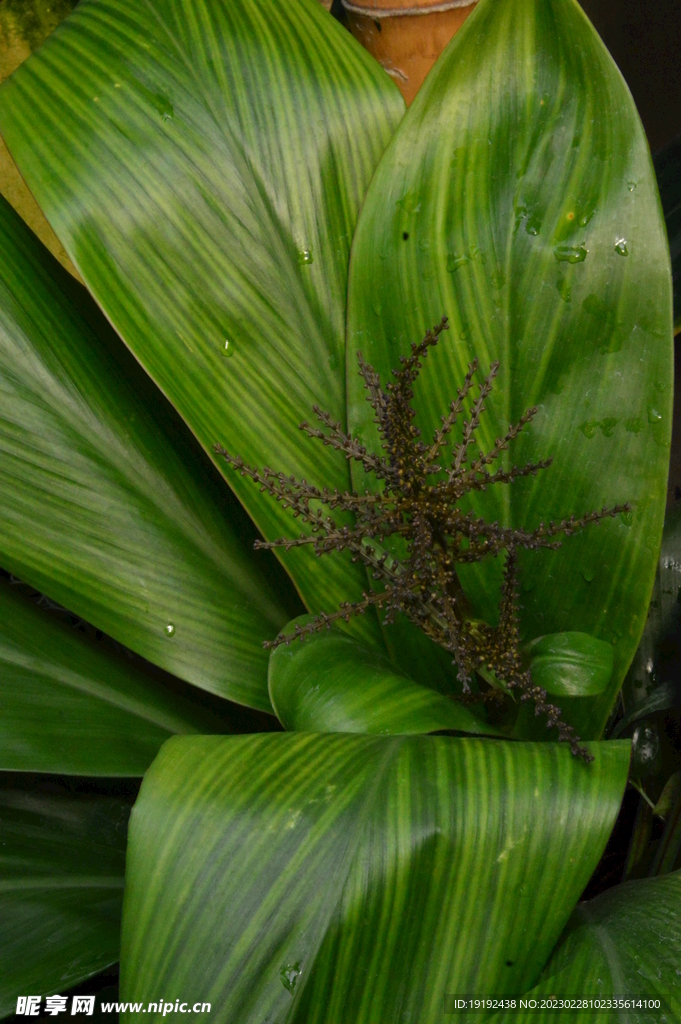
[
  {"x": 588, "y": 574},
  {"x": 289, "y": 975},
  {"x": 305, "y": 256},
  {"x": 653, "y": 415},
  {"x": 455, "y": 261},
  {"x": 170, "y": 629},
  {"x": 564, "y": 290},
  {"x": 631, "y": 185},
  {"x": 571, "y": 253},
  {"x": 228, "y": 350},
  {"x": 589, "y": 428},
  {"x": 621, "y": 247}
]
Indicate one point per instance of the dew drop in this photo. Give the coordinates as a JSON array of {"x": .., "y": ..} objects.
[
  {"x": 634, "y": 425},
  {"x": 564, "y": 290},
  {"x": 589, "y": 428},
  {"x": 228, "y": 350},
  {"x": 532, "y": 227},
  {"x": 653, "y": 415},
  {"x": 588, "y": 574},
  {"x": 305, "y": 256},
  {"x": 170, "y": 629},
  {"x": 631, "y": 185},
  {"x": 289, "y": 975},
  {"x": 571, "y": 253},
  {"x": 621, "y": 247},
  {"x": 377, "y": 308},
  {"x": 465, "y": 332},
  {"x": 454, "y": 261}
]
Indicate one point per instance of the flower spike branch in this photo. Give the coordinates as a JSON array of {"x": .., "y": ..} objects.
[{"x": 422, "y": 485}]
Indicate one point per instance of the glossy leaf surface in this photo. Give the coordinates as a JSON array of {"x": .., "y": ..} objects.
[
  {"x": 203, "y": 165},
  {"x": 62, "y": 859},
  {"x": 69, "y": 707},
  {"x": 107, "y": 504},
  {"x": 625, "y": 942},
  {"x": 570, "y": 664},
  {"x": 518, "y": 198},
  {"x": 330, "y": 682},
  {"x": 325, "y": 878}
]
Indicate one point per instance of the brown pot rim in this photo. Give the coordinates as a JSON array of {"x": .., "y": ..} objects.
[{"x": 400, "y": 12}]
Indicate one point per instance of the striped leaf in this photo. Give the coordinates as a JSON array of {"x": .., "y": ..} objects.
[
  {"x": 203, "y": 164},
  {"x": 518, "y": 198},
  {"x": 62, "y": 858},
  {"x": 335, "y": 878},
  {"x": 106, "y": 502},
  {"x": 626, "y": 943},
  {"x": 330, "y": 682},
  {"x": 68, "y": 706}
]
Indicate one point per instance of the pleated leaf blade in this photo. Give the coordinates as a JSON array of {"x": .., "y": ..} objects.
[
  {"x": 69, "y": 706},
  {"x": 203, "y": 165},
  {"x": 625, "y": 943},
  {"x": 518, "y": 198},
  {"x": 330, "y": 682},
  {"x": 338, "y": 877},
  {"x": 107, "y": 504}
]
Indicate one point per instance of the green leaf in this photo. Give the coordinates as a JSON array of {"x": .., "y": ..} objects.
[
  {"x": 320, "y": 878},
  {"x": 668, "y": 170},
  {"x": 669, "y": 846},
  {"x": 107, "y": 504},
  {"x": 670, "y": 793},
  {"x": 625, "y": 943},
  {"x": 203, "y": 164},
  {"x": 570, "y": 664},
  {"x": 62, "y": 859},
  {"x": 69, "y": 706},
  {"x": 330, "y": 682},
  {"x": 506, "y": 200},
  {"x": 662, "y": 698}
]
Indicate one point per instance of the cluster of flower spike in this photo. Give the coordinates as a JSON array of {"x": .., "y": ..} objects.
[{"x": 417, "y": 500}]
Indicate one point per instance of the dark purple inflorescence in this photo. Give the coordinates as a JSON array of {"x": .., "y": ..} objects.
[{"x": 418, "y": 502}]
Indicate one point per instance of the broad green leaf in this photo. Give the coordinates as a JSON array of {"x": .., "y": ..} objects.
[
  {"x": 625, "y": 943},
  {"x": 68, "y": 706},
  {"x": 62, "y": 858},
  {"x": 330, "y": 682},
  {"x": 203, "y": 164},
  {"x": 107, "y": 504},
  {"x": 518, "y": 198},
  {"x": 307, "y": 877},
  {"x": 570, "y": 664}
]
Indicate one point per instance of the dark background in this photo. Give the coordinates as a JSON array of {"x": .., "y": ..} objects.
[{"x": 644, "y": 37}]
